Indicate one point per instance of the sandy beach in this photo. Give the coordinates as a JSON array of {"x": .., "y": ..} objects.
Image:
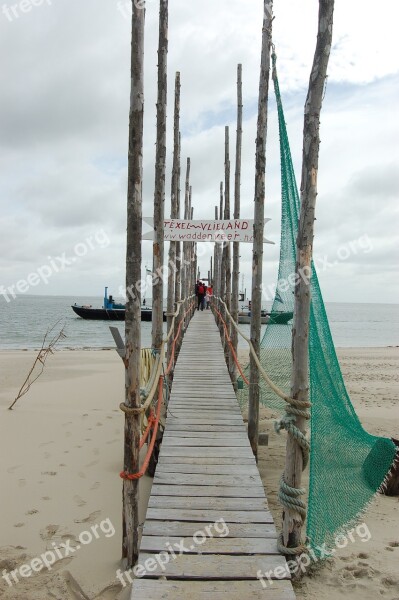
[{"x": 61, "y": 453}]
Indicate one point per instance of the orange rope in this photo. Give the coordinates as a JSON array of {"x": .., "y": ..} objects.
[
  {"x": 231, "y": 347},
  {"x": 153, "y": 421},
  {"x": 133, "y": 476},
  {"x": 171, "y": 360}
]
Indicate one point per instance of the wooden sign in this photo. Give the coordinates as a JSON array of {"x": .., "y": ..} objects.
[{"x": 234, "y": 230}]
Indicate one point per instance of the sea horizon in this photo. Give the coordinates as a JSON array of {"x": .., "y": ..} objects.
[{"x": 25, "y": 320}]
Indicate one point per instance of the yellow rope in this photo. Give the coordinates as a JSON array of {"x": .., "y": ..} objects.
[{"x": 155, "y": 366}]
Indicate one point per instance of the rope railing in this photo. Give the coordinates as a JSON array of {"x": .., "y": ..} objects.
[
  {"x": 288, "y": 496},
  {"x": 156, "y": 382}
]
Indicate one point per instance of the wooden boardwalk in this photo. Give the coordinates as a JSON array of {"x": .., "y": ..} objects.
[{"x": 207, "y": 497}]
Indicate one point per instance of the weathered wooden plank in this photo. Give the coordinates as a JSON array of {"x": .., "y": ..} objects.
[
  {"x": 209, "y": 460},
  {"x": 209, "y": 545},
  {"x": 206, "y": 490},
  {"x": 182, "y": 420},
  {"x": 206, "y": 429},
  {"x": 215, "y": 415},
  {"x": 223, "y": 435},
  {"x": 229, "y": 469},
  {"x": 149, "y": 589},
  {"x": 215, "y": 566},
  {"x": 207, "y": 516},
  {"x": 204, "y": 502},
  {"x": 187, "y": 528},
  {"x": 234, "y": 453},
  {"x": 199, "y": 479},
  {"x": 187, "y": 442}
]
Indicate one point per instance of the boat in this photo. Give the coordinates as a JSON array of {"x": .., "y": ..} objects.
[
  {"x": 110, "y": 311},
  {"x": 272, "y": 318}
]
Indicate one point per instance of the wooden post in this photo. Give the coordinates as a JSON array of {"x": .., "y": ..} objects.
[
  {"x": 227, "y": 248},
  {"x": 215, "y": 261},
  {"x": 178, "y": 253},
  {"x": 236, "y": 245},
  {"x": 292, "y": 521},
  {"x": 227, "y": 212},
  {"x": 185, "y": 271},
  {"x": 222, "y": 288},
  {"x": 130, "y": 523},
  {"x": 172, "y": 266},
  {"x": 160, "y": 168},
  {"x": 257, "y": 252}
]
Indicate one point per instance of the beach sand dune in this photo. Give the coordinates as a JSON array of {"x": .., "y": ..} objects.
[{"x": 61, "y": 453}]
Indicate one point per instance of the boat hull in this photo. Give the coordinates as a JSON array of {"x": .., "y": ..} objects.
[
  {"x": 109, "y": 314},
  {"x": 274, "y": 318}
]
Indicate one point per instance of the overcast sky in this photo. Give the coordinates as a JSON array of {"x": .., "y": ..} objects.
[{"x": 65, "y": 86}]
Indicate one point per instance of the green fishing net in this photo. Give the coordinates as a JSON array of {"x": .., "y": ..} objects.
[{"x": 347, "y": 464}]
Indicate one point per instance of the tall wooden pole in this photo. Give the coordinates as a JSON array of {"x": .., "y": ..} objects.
[
  {"x": 160, "y": 169},
  {"x": 178, "y": 251},
  {"x": 222, "y": 287},
  {"x": 215, "y": 261},
  {"x": 186, "y": 250},
  {"x": 133, "y": 304},
  {"x": 257, "y": 252},
  {"x": 227, "y": 249},
  {"x": 292, "y": 521},
  {"x": 173, "y": 211},
  {"x": 237, "y": 196}
]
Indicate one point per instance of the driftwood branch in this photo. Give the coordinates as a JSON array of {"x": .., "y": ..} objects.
[{"x": 50, "y": 340}]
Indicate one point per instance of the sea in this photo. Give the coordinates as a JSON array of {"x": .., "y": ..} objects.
[{"x": 25, "y": 320}]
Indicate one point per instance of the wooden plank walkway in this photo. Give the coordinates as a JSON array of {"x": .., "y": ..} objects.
[{"x": 207, "y": 508}]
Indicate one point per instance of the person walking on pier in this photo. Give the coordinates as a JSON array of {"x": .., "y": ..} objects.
[{"x": 200, "y": 295}]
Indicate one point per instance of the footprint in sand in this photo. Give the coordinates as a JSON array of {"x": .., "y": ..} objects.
[
  {"x": 45, "y": 444},
  {"x": 88, "y": 440},
  {"x": 108, "y": 417},
  {"x": 68, "y": 434},
  {"x": 79, "y": 501},
  {"x": 51, "y": 473},
  {"x": 19, "y": 524},
  {"x": 85, "y": 415},
  {"x": 49, "y": 532},
  {"x": 95, "y": 486},
  {"x": 90, "y": 519},
  {"x": 32, "y": 511},
  {"x": 394, "y": 544},
  {"x": 92, "y": 463},
  {"x": 66, "y": 424},
  {"x": 111, "y": 441},
  {"x": 21, "y": 482},
  {"x": 99, "y": 424},
  {"x": 46, "y": 498},
  {"x": 12, "y": 469},
  {"x": 82, "y": 475}
]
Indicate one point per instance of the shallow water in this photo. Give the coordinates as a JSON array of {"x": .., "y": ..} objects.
[{"x": 25, "y": 320}]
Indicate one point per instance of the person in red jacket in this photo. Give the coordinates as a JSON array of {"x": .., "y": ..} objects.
[{"x": 200, "y": 295}]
